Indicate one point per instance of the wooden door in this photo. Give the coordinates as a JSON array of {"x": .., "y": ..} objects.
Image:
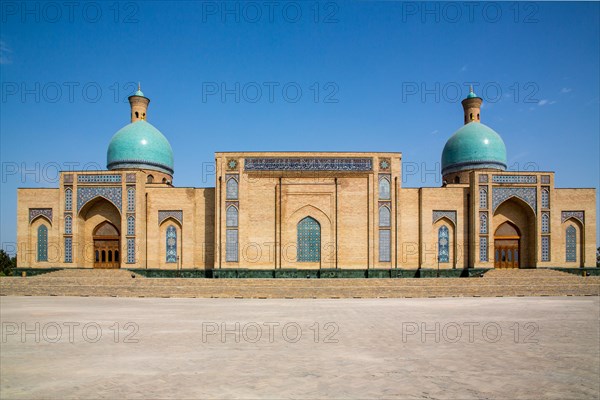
[{"x": 507, "y": 246}]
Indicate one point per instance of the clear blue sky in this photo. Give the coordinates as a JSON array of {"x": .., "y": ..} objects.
[{"x": 386, "y": 75}]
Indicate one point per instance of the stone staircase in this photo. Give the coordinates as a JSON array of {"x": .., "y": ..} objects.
[
  {"x": 123, "y": 283},
  {"x": 516, "y": 273}
]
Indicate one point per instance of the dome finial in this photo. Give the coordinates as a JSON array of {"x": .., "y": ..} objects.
[{"x": 140, "y": 86}]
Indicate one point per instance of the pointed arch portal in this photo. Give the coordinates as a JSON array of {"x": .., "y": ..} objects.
[
  {"x": 106, "y": 246},
  {"x": 507, "y": 242}
]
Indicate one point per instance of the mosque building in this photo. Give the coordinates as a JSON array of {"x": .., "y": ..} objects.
[{"x": 305, "y": 210}]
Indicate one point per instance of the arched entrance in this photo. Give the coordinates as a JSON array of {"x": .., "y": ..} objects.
[
  {"x": 106, "y": 246},
  {"x": 507, "y": 246}
]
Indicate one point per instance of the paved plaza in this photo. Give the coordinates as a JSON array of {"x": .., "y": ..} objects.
[{"x": 446, "y": 348}]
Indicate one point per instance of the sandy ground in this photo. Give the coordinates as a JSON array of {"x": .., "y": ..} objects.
[{"x": 450, "y": 348}]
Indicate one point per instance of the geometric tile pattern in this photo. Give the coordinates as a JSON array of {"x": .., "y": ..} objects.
[
  {"x": 175, "y": 214},
  {"x": 36, "y": 212},
  {"x": 443, "y": 244},
  {"x": 545, "y": 179},
  {"x": 130, "y": 178},
  {"x": 99, "y": 178},
  {"x": 565, "y": 215},
  {"x": 437, "y": 214},
  {"x": 112, "y": 194},
  {"x": 309, "y": 240},
  {"x": 384, "y": 245},
  {"x": 231, "y": 245},
  {"x": 483, "y": 197},
  {"x": 68, "y": 249},
  {"x": 545, "y": 248},
  {"x": 131, "y": 198},
  {"x": 571, "y": 244},
  {"x": 514, "y": 179},
  {"x": 130, "y": 251},
  {"x": 527, "y": 194},
  {"x": 68, "y": 199},
  {"x": 171, "y": 244},
  {"x": 42, "y": 243},
  {"x": 483, "y": 248},
  {"x": 308, "y": 164},
  {"x": 483, "y": 178}
]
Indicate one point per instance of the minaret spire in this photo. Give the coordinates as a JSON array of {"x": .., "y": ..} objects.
[
  {"x": 472, "y": 107},
  {"x": 139, "y": 105}
]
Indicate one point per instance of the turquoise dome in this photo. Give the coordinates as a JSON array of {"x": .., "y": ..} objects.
[
  {"x": 473, "y": 146},
  {"x": 140, "y": 145}
]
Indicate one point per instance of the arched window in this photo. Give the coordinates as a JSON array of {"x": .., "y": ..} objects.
[
  {"x": 42, "y": 243},
  {"x": 483, "y": 200},
  {"x": 545, "y": 223},
  {"x": 68, "y": 199},
  {"x": 171, "y": 244},
  {"x": 471, "y": 116},
  {"x": 483, "y": 223},
  {"x": 131, "y": 225},
  {"x": 457, "y": 179},
  {"x": 232, "y": 216},
  {"x": 309, "y": 240},
  {"x": 384, "y": 188},
  {"x": 131, "y": 199},
  {"x": 571, "y": 244},
  {"x": 232, "y": 189},
  {"x": 68, "y": 225},
  {"x": 384, "y": 216},
  {"x": 545, "y": 198},
  {"x": 443, "y": 244},
  {"x": 150, "y": 179}
]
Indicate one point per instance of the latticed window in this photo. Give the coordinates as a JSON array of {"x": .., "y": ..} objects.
[
  {"x": 571, "y": 244},
  {"x": 131, "y": 199},
  {"x": 232, "y": 189},
  {"x": 232, "y": 217},
  {"x": 483, "y": 223},
  {"x": 483, "y": 248},
  {"x": 545, "y": 248},
  {"x": 68, "y": 249},
  {"x": 309, "y": 240},
  {"x": 231, "y": 245},
  {"x": 545, "y": 223},
  {"x": 42, "y": 243},
  {"x": 443, "y": 244},
  {"x": 384, "y": 245},
  {"x": 131, "y": 225},
  {"x": 545, "y": 198},
  {"x": 384, "y": 216},
  {"x": 68, "y": 225},
  {"x": 483, "y": 198},
  {"x": 384, "y": 188},
  {"x": 131, "y": 251},
  {"x": 68, "y": 199},
  {"x": 171, "y": 244}
]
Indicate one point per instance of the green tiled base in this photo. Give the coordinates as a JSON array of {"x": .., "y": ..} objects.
[
  {"x": 593, "y": 271},
  {"x": 34, "y": 271}
]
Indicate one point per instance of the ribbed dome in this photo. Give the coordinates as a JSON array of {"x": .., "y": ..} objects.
[
  {"x": 140, "y": 145},
  {"x": 473, "y": 146}
]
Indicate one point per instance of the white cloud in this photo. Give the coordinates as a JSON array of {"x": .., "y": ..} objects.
[
  {"x": 542, "y": 102},
  {"x": 565, "y": 90},
  {"x": 464, "y": 68},
  {"x": 4, "y": 53}
]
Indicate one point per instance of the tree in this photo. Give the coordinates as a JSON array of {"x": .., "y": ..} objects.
[{"x": 7, "y": 263}]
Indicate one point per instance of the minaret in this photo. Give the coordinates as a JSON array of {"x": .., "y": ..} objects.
[
  {"x": 139, "y": 105},
  {"x": 472, "y": 106}
]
